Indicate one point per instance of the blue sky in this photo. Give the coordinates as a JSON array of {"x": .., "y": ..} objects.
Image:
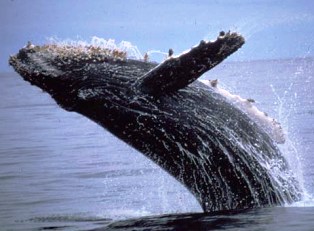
[{"x": 273, "y": 29}]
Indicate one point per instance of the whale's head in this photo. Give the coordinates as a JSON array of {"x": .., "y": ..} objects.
[{"x": 58, "y": 70}]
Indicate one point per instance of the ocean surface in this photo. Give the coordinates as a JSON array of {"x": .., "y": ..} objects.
[{"x": 61, "y": 171}]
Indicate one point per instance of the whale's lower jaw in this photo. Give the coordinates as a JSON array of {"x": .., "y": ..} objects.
[{"x": 213, "y": 148}]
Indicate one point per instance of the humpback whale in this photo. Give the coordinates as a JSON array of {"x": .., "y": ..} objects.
[{"x": 191, "y": 130}]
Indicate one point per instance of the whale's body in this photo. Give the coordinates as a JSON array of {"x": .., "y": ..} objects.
[{"x": 213, "y": 148}]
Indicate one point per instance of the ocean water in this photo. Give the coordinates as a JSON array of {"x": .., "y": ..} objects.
[{"x": 60, "y": 171}]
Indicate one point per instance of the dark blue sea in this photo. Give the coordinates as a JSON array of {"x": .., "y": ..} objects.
[{"x": 61, "y": 171}]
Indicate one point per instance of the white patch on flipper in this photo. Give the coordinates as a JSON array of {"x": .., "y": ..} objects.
[{"x": 268, "y": 124}]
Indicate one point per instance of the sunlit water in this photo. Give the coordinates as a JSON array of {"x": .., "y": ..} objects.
[{"x": 60, "y": 170}]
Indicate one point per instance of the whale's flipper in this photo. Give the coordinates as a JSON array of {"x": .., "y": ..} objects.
[{"x": 176, "y": 73}]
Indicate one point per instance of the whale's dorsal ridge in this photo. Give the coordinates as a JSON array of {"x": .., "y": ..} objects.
[{"x": 178, "y": 72}]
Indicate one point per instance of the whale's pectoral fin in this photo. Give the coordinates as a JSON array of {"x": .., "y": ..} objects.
[{"x": 176, "y": 73}]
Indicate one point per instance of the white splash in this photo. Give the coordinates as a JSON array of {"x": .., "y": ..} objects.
[{"x": 128, "y": 47}]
